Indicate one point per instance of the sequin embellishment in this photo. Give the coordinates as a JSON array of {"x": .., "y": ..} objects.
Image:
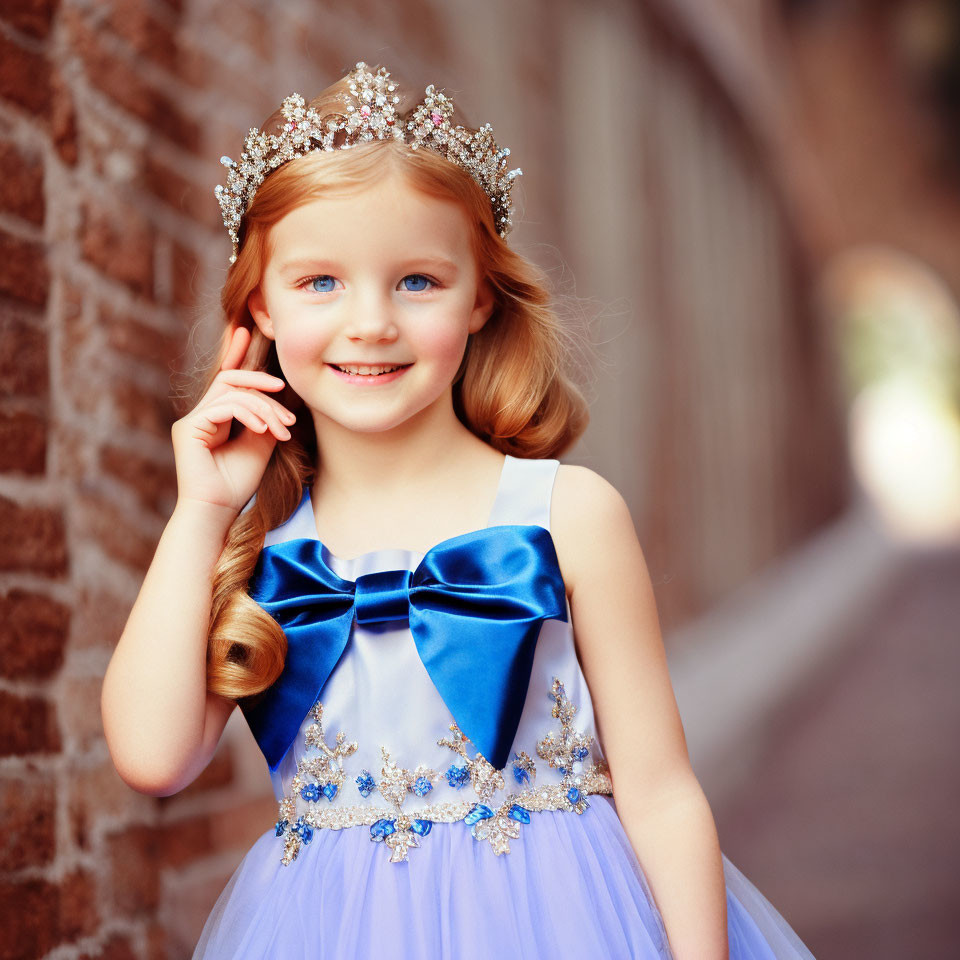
[{"x": 319, "y": 779}]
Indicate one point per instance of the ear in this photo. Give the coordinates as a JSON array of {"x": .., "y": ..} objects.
[
  {"x": 483, "y": 306},
  {"x": 257, "y": 306}
]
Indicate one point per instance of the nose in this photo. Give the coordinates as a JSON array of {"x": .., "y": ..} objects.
[{"x": 372, "y": 318}]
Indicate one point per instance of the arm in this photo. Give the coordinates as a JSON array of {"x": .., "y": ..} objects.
[
  {"x": 661, "y": 805},
  {"x": 161, "y": 725}
]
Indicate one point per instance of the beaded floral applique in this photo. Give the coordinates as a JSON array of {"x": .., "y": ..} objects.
[{"x": 320, "y": 778}]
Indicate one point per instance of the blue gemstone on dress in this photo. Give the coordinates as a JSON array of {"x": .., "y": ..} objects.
[
  {"x": 580, "y": 752},
  {"x": 422, "y": 786},
  {"x": 310, "y": 792},
  {"x": 479, "y": 811},
  {"x": 329, "y": 790},
  {"x": 458, "y": 776},
  {"x": 381, "y": 829},
  {"x": 303, "y": 830},
  {"x": 365, "y": 783},
  {"x": 281, "y": 826},
  {"x": 573, "y": 795},
  {"x": 520, "y": 774},
  {"x": 421, "y": 827},
  {"x": 520, "y": 813}
]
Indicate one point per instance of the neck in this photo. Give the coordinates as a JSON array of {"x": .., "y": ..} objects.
[{"x": 354, "y": 465}]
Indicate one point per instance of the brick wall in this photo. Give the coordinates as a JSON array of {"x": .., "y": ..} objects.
[{"x": 101, "y": 249}]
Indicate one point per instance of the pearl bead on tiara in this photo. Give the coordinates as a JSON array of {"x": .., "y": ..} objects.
[{"x": 370, "y": 115}]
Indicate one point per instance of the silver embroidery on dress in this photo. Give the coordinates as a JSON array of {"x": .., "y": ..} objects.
[{"x": 320, "y": 778}]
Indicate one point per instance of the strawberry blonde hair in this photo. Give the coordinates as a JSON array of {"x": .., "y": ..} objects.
[{"x": 511, "y": 389}]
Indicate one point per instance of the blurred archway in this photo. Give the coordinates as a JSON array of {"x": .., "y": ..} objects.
[{"x": 897, "y": 328}]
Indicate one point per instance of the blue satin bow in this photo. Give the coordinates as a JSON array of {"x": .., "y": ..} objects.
[{"x": 474, "y": 603}]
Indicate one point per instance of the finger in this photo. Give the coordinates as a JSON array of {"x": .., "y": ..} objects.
[
  {"x": 238, "y": 412},
  {"x": 259, "y": 406},
  {"x": 237, "y": 348},
  {"x": 266, "y": 409},
  {"x": 257, "y": 379},
  {"x": 264, "y": 402}
]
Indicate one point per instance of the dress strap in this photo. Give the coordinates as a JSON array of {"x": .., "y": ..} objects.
[{"x": 525, "y": 491}]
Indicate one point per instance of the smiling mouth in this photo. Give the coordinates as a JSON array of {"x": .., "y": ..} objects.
[{"x": 369, "y": 369}]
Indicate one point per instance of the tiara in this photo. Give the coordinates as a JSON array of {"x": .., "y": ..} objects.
[{"x": 370, "y": 114}]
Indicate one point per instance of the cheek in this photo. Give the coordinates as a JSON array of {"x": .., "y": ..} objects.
[
  {"x": 444, "y": 344},
  {"x": 300, "y": 345}
]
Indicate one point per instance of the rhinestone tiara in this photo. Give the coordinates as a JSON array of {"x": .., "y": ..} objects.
[{"x": 370, "y": 114}]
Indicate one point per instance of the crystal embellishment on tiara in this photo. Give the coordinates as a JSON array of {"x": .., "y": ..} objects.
[{"x": 369, "y": 114}]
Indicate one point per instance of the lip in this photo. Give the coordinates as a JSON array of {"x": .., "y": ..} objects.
[{"x": 366, "y": 379}]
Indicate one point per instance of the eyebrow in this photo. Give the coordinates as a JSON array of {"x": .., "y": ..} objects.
[{"x": 306, "y": 264}]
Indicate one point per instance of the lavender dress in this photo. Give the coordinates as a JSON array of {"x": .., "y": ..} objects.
[{"x": 397, "y": 836}]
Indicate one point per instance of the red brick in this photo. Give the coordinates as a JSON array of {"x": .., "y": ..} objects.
[
  {"x": 28, "y": 919},
  {"x": 121, "y": 81},
  {"x": 23, "y": 356},
  {"x": 63, "y": 120},
  {"x": 33, "y": 634},
  {"x": 160, "y": 943},
  {"x": 98, "y": 619},
  {"x": 28, "y": 838},
  {"x": 202, "y": 71},
  {"x": 186, "y": 274},
  {"x": 120, "y": 244},
  {"x": 116, "y": 948},
  {"x": 241, "y": 824},
  {"x": 27, "y": 725},
  {"x": 78, "y": 819},
  {"x": 32, "y": 17},
  {"x": 155, "y": 483},
  {"x": 21, "y": 186},
  {"x": 23, "y": 269},
  {"x": 138, "y": 408},
  {"x": 247, "y": 25},
  {"x": 96, "y": 519},
  {"x": 197, "y": 68},
  {"x": 79, "y": 704},
  {"x": 98, "y": 795},
  {"x": 36, "y": 915},
  {"x": 148, "y": 36},
  {"x": 132, "y": 855},
  {"x": 32, "y": 538},
  {"x": 78, "y": 913},
  {"x": 183, "y": 841},
  {"x": 137, "y": 339},
  {"x": 23, "y": 443},
  {"x": 24, "y": 77},
  {"x": 180, "y": 193}
]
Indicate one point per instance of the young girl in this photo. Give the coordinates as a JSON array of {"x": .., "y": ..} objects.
[{"x": 444, "y": 641}]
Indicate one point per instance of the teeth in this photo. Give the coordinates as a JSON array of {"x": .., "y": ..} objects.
[{"x": 367, "y": 369}]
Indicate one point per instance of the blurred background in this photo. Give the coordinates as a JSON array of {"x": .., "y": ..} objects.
[{"x": 757, "y": 203}]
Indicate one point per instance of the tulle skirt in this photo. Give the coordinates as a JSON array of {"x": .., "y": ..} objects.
[{"x": 571, "y": 886}]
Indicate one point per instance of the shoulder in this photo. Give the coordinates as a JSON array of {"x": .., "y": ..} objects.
[{"x": 590, "y": 522}]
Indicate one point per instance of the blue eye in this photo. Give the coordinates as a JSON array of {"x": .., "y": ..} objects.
[
  {"x": 417, "y": 278},
  {"x": 323, "y": 279}
]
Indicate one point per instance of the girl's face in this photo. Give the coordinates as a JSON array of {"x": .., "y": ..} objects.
[{"x": 380, "y": 277}]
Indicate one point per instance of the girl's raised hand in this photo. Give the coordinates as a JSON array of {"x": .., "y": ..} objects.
[{"x": 212, "y": 468}]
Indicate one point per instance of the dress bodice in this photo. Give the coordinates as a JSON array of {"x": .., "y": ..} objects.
[{"x": 381, "y": 736}]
